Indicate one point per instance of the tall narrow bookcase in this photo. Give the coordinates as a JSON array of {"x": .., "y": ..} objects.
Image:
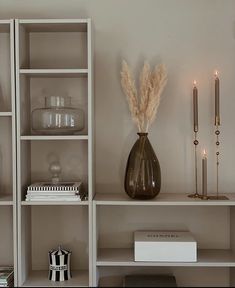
[
  {"x": 8, "y": 227},
  {"x": 53, "y": 57}
]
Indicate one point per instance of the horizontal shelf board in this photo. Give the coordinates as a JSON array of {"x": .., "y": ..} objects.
[
  {"x": 40, "y": 279},
  {"x": 6, "y": 200},
  {"x": 54, "y": 72},
  {"x": 5, "y": 114},
  {"x": 54, "y": 137},
  {"x": 163, "y": 199},
  {"x": 54, "y": 203},
  {"x": 206, "y": 258},
  {"x": 55, "y": 25},
  {"x": 7, "y": 21}
]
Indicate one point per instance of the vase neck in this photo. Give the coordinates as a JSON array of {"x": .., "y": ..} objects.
[{"x": 142, "y": 134}]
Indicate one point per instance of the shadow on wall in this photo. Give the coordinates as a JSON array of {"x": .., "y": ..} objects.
[{"x": 109, "y": 112}]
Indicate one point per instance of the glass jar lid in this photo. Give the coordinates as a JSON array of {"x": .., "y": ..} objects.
[
  {"x": 60, "y": 251},
  {"x": 58, "y": 101}
]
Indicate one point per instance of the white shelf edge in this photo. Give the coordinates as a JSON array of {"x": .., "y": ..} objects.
[
  {"x": 54, "y": 21},
  {"x": 206, "y": 258},
  {"x": 5, "y": 22},
  {"x": 6, "y": 200},
  {"x": 6, "y": 203},
  {"x": 53, "y": 71},
  {"x": 164, "y": 199},
  {"x": 54, "y": 137},
  {"x": 54, "y": 203},
  {"x": 6, "y": 114}
]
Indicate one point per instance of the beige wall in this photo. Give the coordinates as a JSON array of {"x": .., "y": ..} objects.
[{"x": 192, "y": 37}]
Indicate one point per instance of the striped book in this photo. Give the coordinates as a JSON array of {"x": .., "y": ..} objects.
[
  {"x": 64, "y": 191},
  {"x": 61, "y": 187},
  {"x": 6, "y": 277}
]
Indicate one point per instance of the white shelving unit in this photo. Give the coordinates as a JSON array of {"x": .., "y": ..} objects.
[
  {"x": 8, "y": 227},
  {"x": 211, "y": 222},
  {"x": 54, "y": 57}
]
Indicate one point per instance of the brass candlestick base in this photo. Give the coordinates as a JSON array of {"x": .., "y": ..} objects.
[
  {"x": 219, "y": 197},
  {"x": 195, "y": 195},
  {"x": 204, "y": 197}
]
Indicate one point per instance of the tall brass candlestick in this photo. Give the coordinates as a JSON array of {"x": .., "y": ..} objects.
[
  {"x": 217, "y": 132},
  {"x": 195, "y": 142}
]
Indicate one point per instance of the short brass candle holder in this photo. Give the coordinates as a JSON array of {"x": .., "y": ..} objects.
[{"x": 196, "y": 194}]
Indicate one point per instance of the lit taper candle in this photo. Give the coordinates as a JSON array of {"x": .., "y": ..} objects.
[
  {"x": 204, "y": 175},
  {"x": 195, "y": 142},
  {"x": 217, "y": 100},
  {"x": 195, "y": 106}
]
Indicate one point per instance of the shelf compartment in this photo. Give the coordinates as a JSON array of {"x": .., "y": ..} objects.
[
  {"x": 6, "y": 242},
  {"x": 55, "y": 73},
  {"x": 60, "y": 225},
  {"x": 55, "y": 25},
  {"x": 53, "y": 137},
  {"x": 163, "y": 199},
  {"x": 80, "y": 278},
  {"x": 33, "y": 93},
  {"x": 6, "y": 159},
  {"x": 53, "y": 44},
  {"x": 6, "y": 66},
  {"x": 38, "y": 155},
  {"x": 6, "y": 200},
  {"x": 206, "y": 258},
  {"x": 185, "y": 276}
]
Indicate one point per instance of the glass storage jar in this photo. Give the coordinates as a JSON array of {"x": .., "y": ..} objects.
[{"x": 58, "y": 117}]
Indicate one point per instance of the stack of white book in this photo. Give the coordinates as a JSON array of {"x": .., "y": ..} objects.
[
  {"x": 6, "y": 277},
  {"x": 63, "y": 191}
]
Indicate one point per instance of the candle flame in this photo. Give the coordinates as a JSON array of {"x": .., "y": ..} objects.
[
  {"x": 204, "y": 152},
  {"x": 194, "y": 83},
  {"x": 216, "y": 73}
]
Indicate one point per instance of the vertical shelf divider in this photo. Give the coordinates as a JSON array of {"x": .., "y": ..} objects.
[
  {"x": 9, "y": 201},
  {"x": 14, "y": 155},
  {"x": 90, "y": 143}
]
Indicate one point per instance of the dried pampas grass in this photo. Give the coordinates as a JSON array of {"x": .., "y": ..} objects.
[{"x": 143, "y": 107}]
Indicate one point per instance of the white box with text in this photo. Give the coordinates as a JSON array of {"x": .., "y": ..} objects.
[{"x": 165, "y": 246}]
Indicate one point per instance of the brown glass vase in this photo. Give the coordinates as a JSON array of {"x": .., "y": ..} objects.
[{"x": 143, "y": 173}]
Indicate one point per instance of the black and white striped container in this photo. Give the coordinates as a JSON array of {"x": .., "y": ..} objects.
[{"x": 59, "y": 265}]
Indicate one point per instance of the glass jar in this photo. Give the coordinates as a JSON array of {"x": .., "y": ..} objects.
[{"x": 58, "y": 117}]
